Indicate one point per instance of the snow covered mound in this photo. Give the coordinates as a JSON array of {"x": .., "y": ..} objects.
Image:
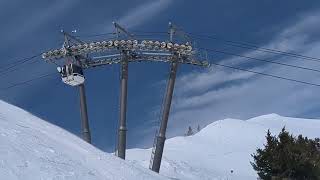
[
  {"x": 32, "y": 149},
  {"x": 222, "y": 149}
]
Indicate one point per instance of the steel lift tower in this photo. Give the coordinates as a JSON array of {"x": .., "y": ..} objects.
[
  {"x": 177, "y": 58},
  {"x": 122, "y": 132},
  {"x": 81, "y": 55}
]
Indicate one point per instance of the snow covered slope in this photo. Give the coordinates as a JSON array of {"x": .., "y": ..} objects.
[
  {"x": 32, "y": 149},
  {"x": 222, "y": 147}
]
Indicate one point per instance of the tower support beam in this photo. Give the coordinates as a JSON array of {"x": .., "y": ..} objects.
[
  {"x": 164, "y": 120},
  {"x": 85, "y": 129},
  {"x": 122, "y": 133},
  {"x": 122, "y": 51}
]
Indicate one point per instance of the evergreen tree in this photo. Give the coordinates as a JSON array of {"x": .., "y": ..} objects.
[
  {"x": 288, "y": 157},
  {"x": 190, "y": 131},
  {"x": 198, "y": 128}
]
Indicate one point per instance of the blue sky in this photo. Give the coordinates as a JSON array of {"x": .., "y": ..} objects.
[{"x": 201, "y": 96}]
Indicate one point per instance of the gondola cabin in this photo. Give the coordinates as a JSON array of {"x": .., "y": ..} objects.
[{"x": 71, "y": 74}]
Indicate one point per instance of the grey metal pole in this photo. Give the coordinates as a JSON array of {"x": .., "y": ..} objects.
[
  {"x": 84, "y": 115},
  {"x": 164, "y": 120},
  {"x": 123, "y": 110}
]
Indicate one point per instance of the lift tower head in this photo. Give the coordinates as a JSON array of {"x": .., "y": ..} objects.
[{"x": 84, "y": 55}]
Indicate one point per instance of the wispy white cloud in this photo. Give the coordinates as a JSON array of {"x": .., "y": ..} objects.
[
  {"x": 200, "y": 99},
  {"x": 142, "y": 13},
  {"x": 293, "y": 38},
  {"x": 202, "y": 81},
  {"x": 36, "y": 19}
]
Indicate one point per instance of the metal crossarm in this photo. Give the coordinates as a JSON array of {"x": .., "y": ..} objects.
[
  {"x": 143, "y": 57},
  {"x": 127, "y": 45}
]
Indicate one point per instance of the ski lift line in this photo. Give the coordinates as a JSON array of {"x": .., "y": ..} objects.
[
  {"x": 255, "y": 47},
  {"x": 267, "y": 75},
  {"x": 262, "y": 60},
  {"x": 244, "y": 45},
  {"x": 17, "y": 68},
  {"x": 12, "y": 65},
  {"x": 11, "y": 69},
  {"x": 27, "y": 81},
  {"x": 19, "y": 62}
]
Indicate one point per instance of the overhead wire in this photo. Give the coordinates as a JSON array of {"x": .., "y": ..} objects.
[
  {"x": 27, "y": 81},
  {"x": 241, "y": 45},
  {"x": 4, "y": 73},
  {"x": 266, "y": 74},
  {"x": 17, "y": 63},
  {"x": 255, "y": 47},
  {"x": 13, "y": 66},
  {"x": 258, "y": 59},
  {"x": 246, "y": 45},
  {"x": 228, "y": 42}
]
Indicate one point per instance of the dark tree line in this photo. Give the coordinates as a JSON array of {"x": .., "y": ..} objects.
[
  {"x": 288, "y": 157},
  {"x": 190, "y": 131}
]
